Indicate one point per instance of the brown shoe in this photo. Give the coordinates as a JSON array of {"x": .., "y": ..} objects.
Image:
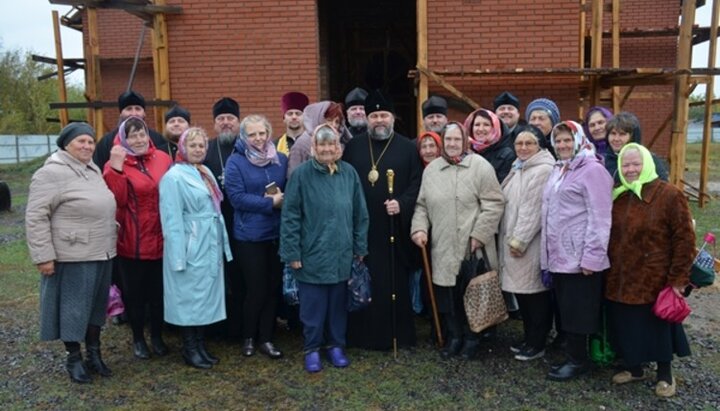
[
  {"x": 665, "y": 390},
  {"x": 624, "y": 377}
]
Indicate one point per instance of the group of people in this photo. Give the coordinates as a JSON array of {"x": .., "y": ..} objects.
[{"x": 197, "y": 230}]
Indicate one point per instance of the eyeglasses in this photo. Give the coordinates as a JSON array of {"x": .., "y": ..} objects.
[{"x": 525, "y": 143}]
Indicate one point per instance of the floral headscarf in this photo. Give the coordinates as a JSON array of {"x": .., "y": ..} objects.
[
  {"x": 258, "y": 157},
  {"x": 436, "y": 137},
  {"x": 182, "y": 157},
  {"x": 123, "y": 137},
  {"x": 332, "y": 167},
  {"x": 647, "y": 174},
  {"x": 582, "y": 147},
  {"x": 495, "y": 134},
  {"x": 465, "y": 149}
]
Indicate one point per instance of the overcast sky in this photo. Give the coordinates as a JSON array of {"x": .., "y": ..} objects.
[{"x": 27, "y": 25}]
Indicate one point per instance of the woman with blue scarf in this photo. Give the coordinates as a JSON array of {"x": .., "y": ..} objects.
[
  {"x": 652, "y": 246},
  {"x": 254, "y": 182}
]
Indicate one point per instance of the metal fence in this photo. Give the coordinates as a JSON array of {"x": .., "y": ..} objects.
[{"x": 18, "y": 148}]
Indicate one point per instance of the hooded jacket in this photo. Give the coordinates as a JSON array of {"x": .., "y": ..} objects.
[
  {"x": 313, "y": 116},
  {"x": 138, "y": 202}
]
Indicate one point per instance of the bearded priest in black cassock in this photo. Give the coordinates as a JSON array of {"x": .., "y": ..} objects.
[{"x": 372, "y": 154}]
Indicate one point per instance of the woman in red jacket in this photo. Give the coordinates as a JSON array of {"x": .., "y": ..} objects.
[{"x": 133, "y": 174}]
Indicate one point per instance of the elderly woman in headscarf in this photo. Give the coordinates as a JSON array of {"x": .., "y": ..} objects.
[
  {"x": 622, "y": 129},
  {"x": 194, "y": 243},
  {"x": 324, "y": 226},
  {"x": 519, "y": 241},
  {"x": 595, "y": 129},
  {"x": 576, "y": 217},
  {"x": 133, "y": 174},
  {"x": 255, "y": 181},
  {"x": 315, "y": 114},
  {"x": 652, "y": 246},
  {"x": 461, "y": 200},
  {"x": 428, "y": 145},
  {"x": 544, "y": 114},
  {"x": 71, "y": 233},
  {"x": 489, "y": 137}
]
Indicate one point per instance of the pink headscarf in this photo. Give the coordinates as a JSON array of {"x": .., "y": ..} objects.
[{"x": 495, "y": 134}]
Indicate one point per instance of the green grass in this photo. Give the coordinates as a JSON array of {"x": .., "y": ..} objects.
[{"x": 693, "y": 155}]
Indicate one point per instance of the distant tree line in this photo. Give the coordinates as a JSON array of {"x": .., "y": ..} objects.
[
  {"x": 24, "y": 100},
  {"x": 698, "y": 112}
]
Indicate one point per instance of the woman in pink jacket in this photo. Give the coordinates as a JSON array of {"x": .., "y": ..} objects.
[{"x": 576, "y": 219}]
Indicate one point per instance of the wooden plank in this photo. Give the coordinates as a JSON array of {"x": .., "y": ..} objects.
[
  {"x": 581, "y": 52},
  {"x": 709, "y": 88},
  {"x": 625, "y": 97},
  {"x": 62, "y": 92},
  {"x": 596, "y": 49},
  {"x": 126, "y": 5},
  {"x": 680, "y": 113},
  {"x": 616, "y": 51},
  {"x": 93, "y": 80},
  {"x": 449, "y": 87},
  {"x": 422, "y": 60},
  {"x": 161, "y": 64}
]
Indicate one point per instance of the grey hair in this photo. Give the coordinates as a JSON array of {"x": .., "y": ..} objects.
[
  {"x": 326, "y": 133},
  {"x": 254, "y": 118}
]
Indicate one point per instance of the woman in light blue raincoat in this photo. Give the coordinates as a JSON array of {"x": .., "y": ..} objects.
[{"x": 194, "y": 242}]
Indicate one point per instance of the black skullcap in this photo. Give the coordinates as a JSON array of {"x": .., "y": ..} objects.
[
  {"x": 73, "y": 130},
  {"x": 130, "y": 98},
  {"x": 506, "y": 98},
  {"x": 177, "y": 111},
  {"x": 356, "y": 97},
  {"x": 434, "y": 105},
  {"x": 375, "y": 101},
  {"x": 226, "y": 105}
]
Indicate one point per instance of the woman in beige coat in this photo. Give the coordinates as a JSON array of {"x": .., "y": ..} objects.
[
  {"x": 71, "y": 234},
  {"x": 461, "y": 200},
  {"x": 519, "y": 241}
]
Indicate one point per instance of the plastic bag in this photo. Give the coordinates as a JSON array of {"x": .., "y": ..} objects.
[
  {"x": 115, "y": 304},
  {"x": 670, "y": 307},
  {"x": 359, "y": 294},
  {"x": 290, "y": 286}
]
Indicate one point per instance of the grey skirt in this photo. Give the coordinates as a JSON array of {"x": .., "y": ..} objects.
[{"x": 73, "y": 298}]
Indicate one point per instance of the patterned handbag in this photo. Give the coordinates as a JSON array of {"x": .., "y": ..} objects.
[{"x": 484, "y": 302}]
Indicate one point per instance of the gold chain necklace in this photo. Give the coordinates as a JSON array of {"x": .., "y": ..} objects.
[{"x": 373, "y": 175}]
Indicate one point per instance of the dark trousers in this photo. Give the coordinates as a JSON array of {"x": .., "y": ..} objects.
[
  {"x": 262, "y": 273},
  {"x": 323, "y": 312},
  {"x": 536, "y": 311},
  {"x": 142, "y": 287}
]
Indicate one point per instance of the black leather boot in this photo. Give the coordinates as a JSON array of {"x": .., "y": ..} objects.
[
  {"x": 76, "y": 368},
  {"x": 190, "y": 351},
  {"x": 470, "y": 349},
  {"x": 200, "y": 333},
  {"x": 94, "y": 361},
  {"x": 451, "y": 348},
  {"x": 158, "y": 345}
]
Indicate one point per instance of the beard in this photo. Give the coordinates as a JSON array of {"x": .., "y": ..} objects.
[
  {"x": 171, "y": 136},
  {"x": 436, "y": 128},
  {"x": 226, "y": 137},
  {"x": 380, "y": 132},
  {"x": 357, "y": 122}
]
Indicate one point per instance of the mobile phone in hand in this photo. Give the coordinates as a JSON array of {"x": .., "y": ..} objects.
[{"x": 271, "y": 188}]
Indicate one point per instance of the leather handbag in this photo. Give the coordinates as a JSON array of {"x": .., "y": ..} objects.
[
  {"x": 670, "y": 307},
  {"x": 484, "y": 302}
]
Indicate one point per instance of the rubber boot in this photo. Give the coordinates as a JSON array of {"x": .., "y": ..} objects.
[
  {"x": 190, "y": 351},
  {"x": 200, "y": 333}
]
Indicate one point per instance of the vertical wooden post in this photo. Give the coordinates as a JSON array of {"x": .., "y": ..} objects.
[
  {"x": 62, "y": 93},
  {"x": 422, "y": 61},
  {"x": 616, "y": 51},
  {"x": 581, "y": 50},
  {"x": 678, "y": 138},
  {"x": 596, "y": 49},
  {"x": 161, "y": 66},
  {"x": 709, "y": 97},
  {"x": 93, "y": 82}
]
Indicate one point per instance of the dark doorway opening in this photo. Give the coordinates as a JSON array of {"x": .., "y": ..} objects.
[{"x": 371, "y": 44}]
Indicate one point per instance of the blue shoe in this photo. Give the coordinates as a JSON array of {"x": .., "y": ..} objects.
[
  {"x": 312, "y": 362},
  {"x": 337, "y": 357}
]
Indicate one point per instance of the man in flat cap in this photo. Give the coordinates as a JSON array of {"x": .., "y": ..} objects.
[
  {"x": 177, "y": 120},
  {"x": 130, "y": 103},
  {"x": 434, "y": 111},
  {"x": 372, "y": 154},
  {"x": 293, "y": 104},
  {"x": 226, "y": 112},
  {"x": 355, "y": 110},
  {"x": 507, "y": 108}
]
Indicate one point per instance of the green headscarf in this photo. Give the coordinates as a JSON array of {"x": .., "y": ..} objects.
[{"x": 647, "y": 174}]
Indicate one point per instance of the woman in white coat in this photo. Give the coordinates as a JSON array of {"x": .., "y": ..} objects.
[
  {"x": 519, "y": 241},
  {"x": 194, "y": 242}
]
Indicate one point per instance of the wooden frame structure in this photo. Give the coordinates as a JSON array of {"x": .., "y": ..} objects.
[{"x": 595, "y": 79}]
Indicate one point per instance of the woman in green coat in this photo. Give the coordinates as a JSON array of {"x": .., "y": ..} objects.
[{"x": 324, "y": 226}]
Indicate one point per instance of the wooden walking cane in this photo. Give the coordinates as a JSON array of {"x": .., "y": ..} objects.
[
  {"x": 431, "y": 292},
  {"x": 391, "y": 181}
]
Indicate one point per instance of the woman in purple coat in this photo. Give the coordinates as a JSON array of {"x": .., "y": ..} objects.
[{"x": 576, "y": 219}]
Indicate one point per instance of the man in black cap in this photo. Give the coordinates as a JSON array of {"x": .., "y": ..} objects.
[
  {"x": 226, "y": 112},
  {"x": 372, "y": 154},
  {"x": 130, "y": 103},
  {"x": 434, "y": 112},
  {"x": 355, "y": 110},
  {"x": 507, "y": 108},
  {"x": 177, "y": 120}
]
